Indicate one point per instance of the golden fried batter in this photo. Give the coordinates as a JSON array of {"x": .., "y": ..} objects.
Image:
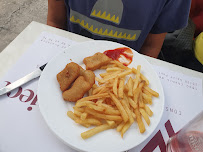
[
  {"x": 77, "y": 91},
  {"x": 96, "y": 61},
  {"x": 68, "y": 75},
  {"x": 88, "y": 75}
]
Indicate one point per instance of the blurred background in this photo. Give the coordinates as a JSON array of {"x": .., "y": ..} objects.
[{"x": 16, "y": 15}]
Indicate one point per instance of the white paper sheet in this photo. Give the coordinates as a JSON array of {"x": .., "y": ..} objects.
[
  {"x": 187, "y": 84},
  {"x": 23, "y": 129}
]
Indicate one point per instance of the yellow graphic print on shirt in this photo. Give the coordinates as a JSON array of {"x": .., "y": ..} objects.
[{"x": 110, "y": 10}]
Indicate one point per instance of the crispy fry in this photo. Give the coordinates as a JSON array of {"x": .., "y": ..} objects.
[
  {"x": 138, "y": 90},
  {"x": 109, "y": 109},
  {"x": 141, "y": 76},
  {"x": 126, "y": 99},
  {"x": 133, "y": 114},
  {"x": 125, "y": 128},
  {"x": 83, "y": 116},
  {"x": 147, "y": 98},
  {"x": 154, "y": 93},
  {"x": 120, "y": 75},
  {"x": 113, "y": 69},
  {"x": 145, "y": 116},
  {"x": 101, "y": 81},
  {"x": 104, "y": 74},
  {"x": 120, "y": 107},
  {"x": 71, "y": 115},
  {"x": 112, "y": 112},
  {"x": 77, "y": 113},
  {"x": 95, "y": 91},
  {"x": 141, "y": 103},
  {"x": 103, "y": 90},
  {"x": 99, "y": 101},
  {"x": 115, "y": 88},
  {"x": 90, "y": 121},
  {"x": 96, "y": 130},
  {"x": 111, "y": 123},
  {"x": 123, "y": 74},
  {"x": 148, "y": 110},
  {"x": 94, "y": 86},
  {"x": 81, "y": 109},
  {"x": 113, "y": 74},
  {"x": 121, "y": 88},
  {"x": 139, "y": 121},
  {"x": 128, "y": 111},
  {"x": 97, "y": 96},
  {"x": 130, "y": 87},
  {"x": 95, "y": 107},
  {"x": 132, "y": 103},
  {"x": 79, "y": 121},
  {"x": 84, "y": 103},
  {"x": 120, "y": 126},
  {"x": 136, "y": 96},
  {"x": 136, "y": 81},
  {"x": 90, "y": 92},
  {"x": 103, "y": 116},
  {"x": 126, "y": 89},
  {"x": 120, "y": 65},
  {"x": 75, "y": 118},
  {"x": 108, "y": 66}
]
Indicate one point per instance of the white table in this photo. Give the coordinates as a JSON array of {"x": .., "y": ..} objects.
[{"x": 24, "y": 40}]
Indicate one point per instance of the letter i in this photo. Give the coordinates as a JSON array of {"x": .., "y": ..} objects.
[{"x": 32, "y": 103}]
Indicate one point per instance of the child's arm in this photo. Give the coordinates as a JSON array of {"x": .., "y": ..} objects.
[{"x": 56, "y": 14}]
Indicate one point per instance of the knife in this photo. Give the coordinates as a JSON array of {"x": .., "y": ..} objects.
[{"x": 22, "y": 81}]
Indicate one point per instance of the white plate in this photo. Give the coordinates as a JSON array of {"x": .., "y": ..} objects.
[{"x": 54, "y": 108}]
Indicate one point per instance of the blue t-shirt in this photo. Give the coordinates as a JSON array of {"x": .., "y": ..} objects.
[{"x": 126, "y": 21}]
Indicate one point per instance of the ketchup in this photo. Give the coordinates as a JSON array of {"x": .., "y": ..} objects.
[{"x": 124, "y": 55}]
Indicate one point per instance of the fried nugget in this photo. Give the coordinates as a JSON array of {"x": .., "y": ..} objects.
[
  {"x": 88, "y": 75},
  {"x": 77, "y": 91},
  {"x": 96, "y": 61},
  {"x": 68, "y": 75}
]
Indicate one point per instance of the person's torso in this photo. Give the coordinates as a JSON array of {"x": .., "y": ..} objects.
[{"x": 124, "y": 21}]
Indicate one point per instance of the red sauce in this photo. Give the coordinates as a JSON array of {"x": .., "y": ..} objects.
[{"x": 117, "y": 53}]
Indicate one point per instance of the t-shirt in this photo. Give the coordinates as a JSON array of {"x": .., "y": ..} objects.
[{"x": 125, "y": 21}]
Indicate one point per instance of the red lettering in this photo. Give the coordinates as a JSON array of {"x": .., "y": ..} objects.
[
  {"x": 24, "y": 97},
  {"x": 157, "y": 140},
  {"x": 32, "y": 103},
  {"x": 30, "y": 96},
  {"x": 169, "y": 128}
]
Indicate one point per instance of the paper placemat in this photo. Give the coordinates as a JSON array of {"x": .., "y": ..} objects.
[{"x": 23, "y": 129}]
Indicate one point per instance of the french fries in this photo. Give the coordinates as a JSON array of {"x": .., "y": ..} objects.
[
  {"x": 96, "y": 130},
  {"x": 121, "y": 88},
  {"x": 121, "y": 98},
  {"x": 120, "y": 107}
]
